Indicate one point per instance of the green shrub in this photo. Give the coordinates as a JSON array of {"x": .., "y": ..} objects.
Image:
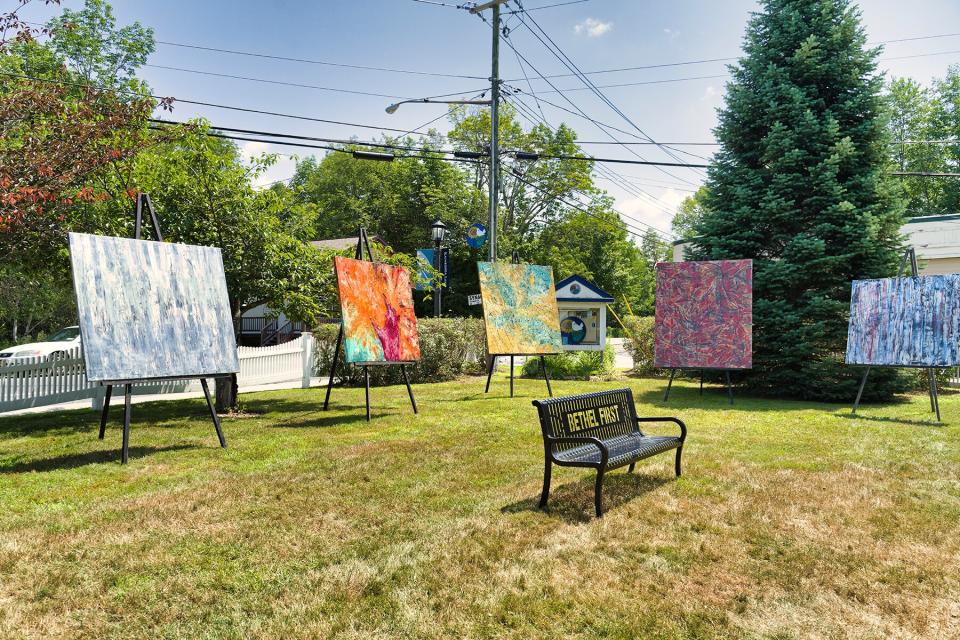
[
  {"x": 449, "y": 348},
  {"x": 572, "y": 365},
  {"x": 639, "y": 344}
]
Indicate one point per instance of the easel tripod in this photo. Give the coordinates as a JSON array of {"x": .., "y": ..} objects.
[
  {"x": 143, "y": 200},
  {"x": 910, "y": 254},
  {"x": 362, "y": 243}
]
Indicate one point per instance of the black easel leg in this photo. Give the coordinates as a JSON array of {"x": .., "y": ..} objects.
[
  {"x": 493, "y": 363},
  {"x": 863, "y": 383},
  {"x": 701, "y": 381},
  {"x": 931, "y": 385},
  {"x": 729, "y": 386},
  {"x": 213, "y": 412},
  {"x": 406, "y": 380},
  {"x": 543, "y": 366},
  {"x": 333, "y": 367},
  {"x": 669, "y": 384},
  {"x": 511, "y": 376},
  {"x": 105, "y": 411},
  {"x": 125, "y": 454},
  {"x": 366, "y": 380},
  {"x": 934, "y": 398}
]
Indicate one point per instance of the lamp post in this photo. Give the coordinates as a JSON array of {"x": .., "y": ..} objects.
[{"x": 439, "y": 230}]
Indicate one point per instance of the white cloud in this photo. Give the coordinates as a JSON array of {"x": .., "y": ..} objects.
[
  {"x": 651, "y": 211},
  {"x": 672, "y": 34},
  {"x": 592, "y": 28}
]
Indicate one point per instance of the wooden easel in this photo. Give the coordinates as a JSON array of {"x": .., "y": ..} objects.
[
  {"x": 363, "y": 243},
  {"x": 726, "y": 373},
  {"x": 515, "y": 259},
  {"x": 911, "y": 255},
  {"x": 144, "y": 200}
]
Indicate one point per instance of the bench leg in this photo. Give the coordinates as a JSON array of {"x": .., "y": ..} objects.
[
  {"x": 545, "y": 494},
  {"x": 630, "y": 468},
  {"x": 598, "y": 493},
  {"x": 677, "y": 463}
]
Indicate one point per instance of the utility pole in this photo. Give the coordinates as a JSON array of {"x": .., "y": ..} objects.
[{"x": 494, "y": 122}]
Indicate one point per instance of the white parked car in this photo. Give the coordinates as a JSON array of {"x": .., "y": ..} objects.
[{"x": 56, "y": 345}]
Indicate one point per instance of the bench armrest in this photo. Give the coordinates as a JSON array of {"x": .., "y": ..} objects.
[
  {"x": 604, "y": 452},
  {"x": 683, "y": 427}
]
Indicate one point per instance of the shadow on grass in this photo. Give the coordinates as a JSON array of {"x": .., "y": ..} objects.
[
  {"x": 75, "y": 460},
  {"x": 83, "y": 420},
  {"x": 573, "y": 501},
  {"x": 904, "y": 421}
]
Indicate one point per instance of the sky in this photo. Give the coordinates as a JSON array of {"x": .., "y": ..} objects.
[{"x": 677, "y": 105}]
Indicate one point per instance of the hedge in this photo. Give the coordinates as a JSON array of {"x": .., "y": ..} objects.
[
  {"x": 572, "y": 365},
  {"x": 449, "y": 347}
]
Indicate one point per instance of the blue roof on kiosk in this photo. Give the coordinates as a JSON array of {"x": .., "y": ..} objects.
[{"x": 599, "y": 295}]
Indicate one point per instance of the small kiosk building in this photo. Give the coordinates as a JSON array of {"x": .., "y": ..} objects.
[{"x": 583, "y": 314}]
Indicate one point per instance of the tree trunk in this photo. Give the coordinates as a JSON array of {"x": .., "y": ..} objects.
[
  {"x": 226, "y": 394},
  {"x": 14, "y": 329},
  {"x": 226, "y": 388}
]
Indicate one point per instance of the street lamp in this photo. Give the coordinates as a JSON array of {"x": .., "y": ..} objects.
[
  {"x": 396, "y": 105},
  {"x": 438, "y": 230}
]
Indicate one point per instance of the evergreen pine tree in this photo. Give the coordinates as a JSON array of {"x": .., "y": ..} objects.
[{"x": 798, "y": 186}]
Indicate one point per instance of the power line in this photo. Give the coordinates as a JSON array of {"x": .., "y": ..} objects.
[
  {"x": 298, "y": 84},
  {"x": 327, "y": 63},
  {"x": 218, "y": 106},
  {"x": 641, "y": 83},
  {"x": 734, "y": 58},
  {"x": 626, "y": 227},
  {"x": 546, "y": 6},
  {"x": 565, "y": 59},
  {"x": 605, "y": 172},
  {"x": 567, "y": 62}
]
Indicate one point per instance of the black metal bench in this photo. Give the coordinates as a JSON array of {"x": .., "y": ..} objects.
[{"x": 600, "y": 431}]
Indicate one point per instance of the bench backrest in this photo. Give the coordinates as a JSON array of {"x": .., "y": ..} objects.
[{"x": 604, "y": 414}]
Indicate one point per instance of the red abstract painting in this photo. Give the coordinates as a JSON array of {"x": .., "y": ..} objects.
[{"x": 704, "y": 315}]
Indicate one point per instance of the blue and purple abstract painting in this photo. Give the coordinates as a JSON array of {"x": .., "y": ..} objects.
[
  {"x": 905, "y": 322},
  {"x": 151, "y": 309}
]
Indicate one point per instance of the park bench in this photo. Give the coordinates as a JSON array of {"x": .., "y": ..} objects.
[{"x": 600, "y": 431}]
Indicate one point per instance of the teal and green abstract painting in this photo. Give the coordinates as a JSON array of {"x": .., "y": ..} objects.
[{"x": 519, "y": 309}]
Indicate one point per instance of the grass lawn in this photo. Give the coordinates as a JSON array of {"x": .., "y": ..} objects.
[{"x": 792, "y": 520}]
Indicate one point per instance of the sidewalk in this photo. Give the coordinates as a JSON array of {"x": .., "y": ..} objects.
[{"x": 137, "y": 399}]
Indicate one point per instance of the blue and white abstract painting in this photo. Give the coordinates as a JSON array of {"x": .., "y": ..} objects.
[
  {"x": 905, "y": 322},
  {"x": 151, "y": 309}
]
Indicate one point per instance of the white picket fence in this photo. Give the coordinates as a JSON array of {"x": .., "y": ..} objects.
[{"x": 43, "y": 381}]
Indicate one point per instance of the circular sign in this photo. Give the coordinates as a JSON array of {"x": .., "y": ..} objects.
[
  {"x": 476, "y": 235},
  {"x": 575, "y": 288},
  {"x": 573, "y": 330}
]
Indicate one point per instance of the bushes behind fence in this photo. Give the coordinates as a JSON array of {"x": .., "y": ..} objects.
[
  {"x": 573, "y": 365},
  {"x": 449, "y": 347}
]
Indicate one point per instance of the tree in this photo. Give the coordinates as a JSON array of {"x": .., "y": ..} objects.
[
  {"x": 598, "y": 247},
  {"x": 58, "y": 134},
  {"x": 798, "y": 187},
  {"x": 912, "y": 119},
  {"x": 203, "y": 195},
  {"x": 530, "y": 191},
  {"x": 90, "y": 43},
  {"x": 688, "y": 214}
]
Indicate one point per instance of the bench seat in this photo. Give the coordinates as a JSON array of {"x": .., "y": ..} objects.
[{"x": 622, "y": 450}]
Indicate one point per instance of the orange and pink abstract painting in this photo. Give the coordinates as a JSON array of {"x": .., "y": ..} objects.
[{"x": 379, "y": 324}]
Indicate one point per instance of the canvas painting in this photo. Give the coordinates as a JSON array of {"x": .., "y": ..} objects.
[
  {"x": 704, "y": 315},
  {"x": 379, "y": 324},
  {"x": 905, "y": 322},
  {"x": 519, "y": 309},
  {"x": 151, "y": 309}
]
